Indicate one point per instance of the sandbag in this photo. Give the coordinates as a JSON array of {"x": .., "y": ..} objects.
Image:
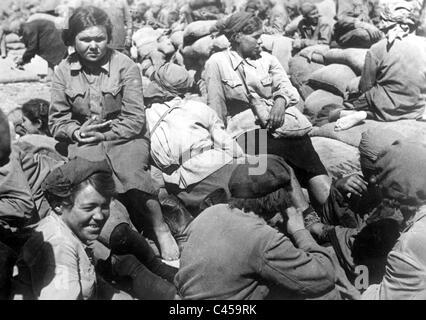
[
  {"x": 339, "y": 158},
  {"x": 300, "y": 70},
  {"x": 196, "y": 30},
  {"x": 177, "y": 39},
  {"x": 353, "y": 135},
  {"x": 353, "y": 86},
  {"x": 315, "y": 53},
  {"x": 15, "y": 46},
  {"x": 334, "y": 78},
  {"x": 351, "y": 57},
  {"x": 327, "y": 8},
  {"x": 279, "y": 46},
  {"x": 291, "y": 28},
  {"x": 204, "y": 47},
  {"x": 317, "y": 100},
  {"x": 357, "y": 38},
  {"x": 145, "y": 40},
  {"x": 12, "y": 38},
  {"x": 196, "y": 4},
  {"x": 165, "y": 46}
]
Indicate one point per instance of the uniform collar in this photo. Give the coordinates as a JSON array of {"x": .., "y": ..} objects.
[
  {"x": 236, "y": 59},
  {"x": 419, "y": 215},
  {"x": 75, "y": 64}
]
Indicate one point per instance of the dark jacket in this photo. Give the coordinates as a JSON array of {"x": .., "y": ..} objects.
[
  {"x": 235, "y": 255},
  {"x": 42, "y": 38}
]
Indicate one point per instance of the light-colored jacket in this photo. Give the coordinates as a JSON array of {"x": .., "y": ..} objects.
[
  {"x": 405, "y": 277},
  {"x": 226, "y": 94},
  {"x": 190, "y": 143}
]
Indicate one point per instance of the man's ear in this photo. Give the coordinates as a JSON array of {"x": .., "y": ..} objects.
[{"x": 237, "y": 37}]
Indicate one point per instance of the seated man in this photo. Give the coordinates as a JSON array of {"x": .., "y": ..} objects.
[
  {"x": 232, "y": 253},
  {"x": 354, "y": 26},
  {"x": 357, "y": 224},
  {"x": 400, "y": 266},
  {"x": 312, "y": 29},
  {"x": 393, "y": 81},
  {"x": 188, "y": 141},
  {"x": 400, "y": 175}
]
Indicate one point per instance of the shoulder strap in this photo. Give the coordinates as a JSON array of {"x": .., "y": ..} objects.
[
  {"x": 241, "y": 75},
  {"x": 162, "y": 117}
]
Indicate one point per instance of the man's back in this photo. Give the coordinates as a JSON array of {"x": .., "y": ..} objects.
[
  {"x": 231, "y": 254},
  {"x": 219, "y": 260}
]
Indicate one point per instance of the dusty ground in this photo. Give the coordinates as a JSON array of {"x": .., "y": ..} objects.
[{"x": 14, "y": 94}]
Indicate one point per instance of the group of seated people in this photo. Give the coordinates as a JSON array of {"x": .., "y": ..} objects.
[{"x": 227, "y": 188}]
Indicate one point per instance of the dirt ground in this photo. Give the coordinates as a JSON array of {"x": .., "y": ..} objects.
[{"x": 14, "y": 94}]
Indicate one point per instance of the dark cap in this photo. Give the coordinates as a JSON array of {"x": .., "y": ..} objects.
[
  {"x": 63, "y": 179},
  {"x": 402, "y": 171},
  {"x": 246, "y": 184}
]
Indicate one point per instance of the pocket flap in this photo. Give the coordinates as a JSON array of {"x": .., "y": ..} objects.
[
  {"x": 267, "y": 81},
  {"x": 72, "y": 93},
  {"x": 232, "y": 83},
  {"x": 114, "y": 90}
]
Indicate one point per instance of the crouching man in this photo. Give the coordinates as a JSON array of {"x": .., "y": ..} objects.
[{"x": 232, "y": 253}]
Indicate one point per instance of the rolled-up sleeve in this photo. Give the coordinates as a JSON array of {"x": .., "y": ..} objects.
[
  {"x": 307, "y": 269},
  {"x": 131, "y": 120},
  {"x": 281, "y": 85},
  {"x": 61, "y": 124}
]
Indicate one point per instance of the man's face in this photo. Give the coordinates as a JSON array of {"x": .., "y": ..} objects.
[
  {"x": 313, "y": 17},
  {"x": 250, "y": 45}
]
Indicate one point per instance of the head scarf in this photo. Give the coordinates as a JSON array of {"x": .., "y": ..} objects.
[
  {"x": 402, "y": 172},
  {"x": 244, "y": 22},
  {"x": 170, "y": 80},
  {"x": 306, "y": 8},
  {"x": 373, "y": 143},
  {"x": 62, "y": 180},
  {"x": 245, "y": 184},
  {"x": 400, "y": 12}
]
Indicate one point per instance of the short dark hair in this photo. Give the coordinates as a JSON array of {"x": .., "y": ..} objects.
[
  {"x": 83, "y": 18},
  {"x": 37, "y": 110},
  {"x": 266, "y": 206},
  {"x": 102, "y": 182}
]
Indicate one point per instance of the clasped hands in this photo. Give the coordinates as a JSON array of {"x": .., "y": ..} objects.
[{"x": 91, "y": 131}]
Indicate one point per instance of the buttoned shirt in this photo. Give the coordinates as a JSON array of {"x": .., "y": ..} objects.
[
  {"x": 114, "y": 95},
  {"x": 190, "y": 143},
  {"x": 265, "y": 78}
]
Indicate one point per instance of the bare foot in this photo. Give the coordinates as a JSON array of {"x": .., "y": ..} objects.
[
  {"x": 350, "y": 120},
  {"x": 167, "y": 244}
]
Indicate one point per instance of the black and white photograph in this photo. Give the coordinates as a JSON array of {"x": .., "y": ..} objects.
[{"x": 193, "y": 150}]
